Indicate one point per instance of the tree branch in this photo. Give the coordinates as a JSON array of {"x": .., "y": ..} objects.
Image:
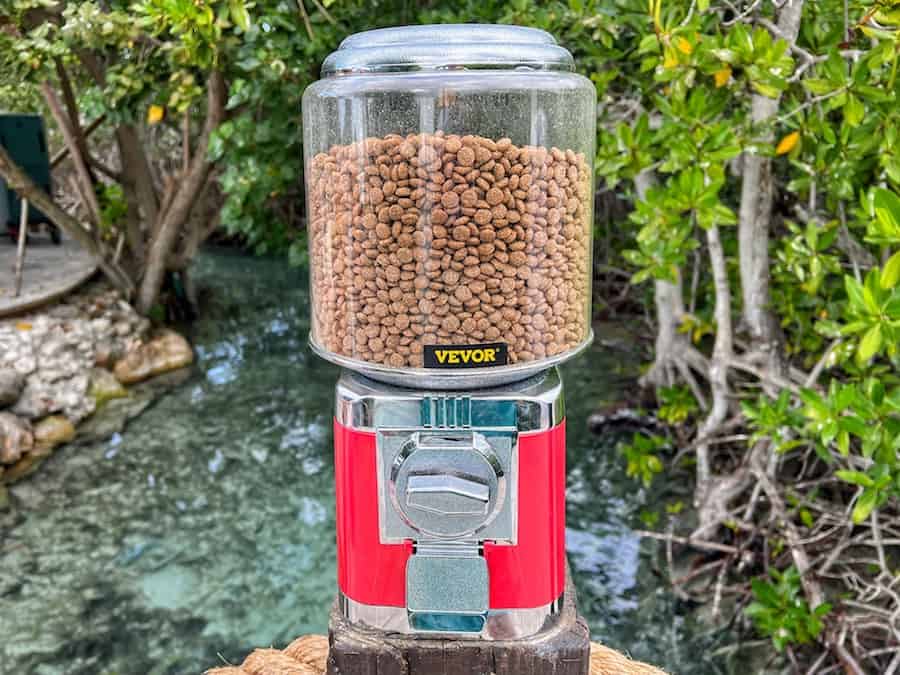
[
  {"x": 718, "y": 368},
  {"x": 179, "y": 210},
  {"x": 755, "y": 214},
  {"x": 71, "y": 140}
]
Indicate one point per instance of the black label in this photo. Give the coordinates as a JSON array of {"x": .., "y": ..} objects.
[{"x": 466, "y": 356}]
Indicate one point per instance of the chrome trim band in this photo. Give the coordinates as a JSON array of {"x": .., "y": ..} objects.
[
  {"x": 501, "y": 624},
  {"x": 469, "y": 378},
  {"x": 535, "y": 404}
]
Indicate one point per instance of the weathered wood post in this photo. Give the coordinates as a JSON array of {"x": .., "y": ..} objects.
[
  {"x": 563, "y": 649},
  {"x": 20, "y": 248}
]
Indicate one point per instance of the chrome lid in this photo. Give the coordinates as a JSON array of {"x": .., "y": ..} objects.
[{"x": 448, "y": 47}]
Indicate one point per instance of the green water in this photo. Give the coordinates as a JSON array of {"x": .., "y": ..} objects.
[{"x": 207, "y": 528}]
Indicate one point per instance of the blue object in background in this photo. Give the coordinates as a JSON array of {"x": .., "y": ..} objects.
[{"x": 23, "y": 137}]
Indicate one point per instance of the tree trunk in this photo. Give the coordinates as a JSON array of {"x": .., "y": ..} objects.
[
  {"x": 718, "y": 366},
  {"x": 668, "y": 297},
  {"x": 757, "y": 196},
  {"x": 137, "y": 185},
  {"x": 176, "y": 215},
  {"x": 78, "y": 158},
  {"x": 65, "y": 85}
]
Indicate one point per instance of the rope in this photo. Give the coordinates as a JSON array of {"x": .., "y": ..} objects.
[{"x": 308, "y": 655}]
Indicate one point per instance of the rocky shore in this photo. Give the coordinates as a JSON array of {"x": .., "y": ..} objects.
[{"x": 61, "y": 364}]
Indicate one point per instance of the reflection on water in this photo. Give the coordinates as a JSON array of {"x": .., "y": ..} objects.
[{"x": 207, "y": 528}]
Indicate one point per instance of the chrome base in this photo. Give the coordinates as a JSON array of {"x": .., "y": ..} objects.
[
  {"x": 466, "y": 378},
  {"x": 501, "y": 624}
]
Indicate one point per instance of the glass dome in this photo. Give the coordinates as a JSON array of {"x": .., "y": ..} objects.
[{"x": 449, "y": 194}]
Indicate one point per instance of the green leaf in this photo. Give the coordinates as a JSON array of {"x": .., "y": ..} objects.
[
  {"x": 865, "y": 505},
  {"x": 890, "y": 273},
  {"x": 855, "y": 293},
  {"x": 239, "y": 14},
  {"x": 843, "y": 442},
  {"x": 856, "y": 478},
  {"x": 854, "y": 110},
  {"x": 870, "y": 344},
  {"x": 887, "y": 207},
  {"x": 806, "y": 517},
  {"x": 818, "y": 86}
]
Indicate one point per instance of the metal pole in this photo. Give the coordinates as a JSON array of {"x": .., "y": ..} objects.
[{"x": 20, "y": 251}]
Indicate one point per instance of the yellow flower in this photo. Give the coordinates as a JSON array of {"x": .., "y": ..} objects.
[
  {"x": 722, "y": 76},
  {"x": 23, "y": 325},
  {"x": 155, "y": 113},
  {"x": 684, "y": 46},
  {"x": 788, "y": 143}
]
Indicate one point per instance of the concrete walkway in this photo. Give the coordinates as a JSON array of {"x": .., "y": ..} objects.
[{"x": 50, "y": 272}]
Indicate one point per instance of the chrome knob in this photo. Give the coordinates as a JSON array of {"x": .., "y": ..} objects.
[{"x": 447, "y": 485}]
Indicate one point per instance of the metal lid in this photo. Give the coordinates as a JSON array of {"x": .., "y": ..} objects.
[{"x": 448, "y": 47}]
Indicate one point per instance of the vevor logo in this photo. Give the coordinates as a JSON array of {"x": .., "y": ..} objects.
[
  {"x": 479, "y": 355},
  {"x": 466, "y": 356}
]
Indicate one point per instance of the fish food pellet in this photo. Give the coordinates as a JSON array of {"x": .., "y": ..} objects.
[{"x": 435, "y": 239}]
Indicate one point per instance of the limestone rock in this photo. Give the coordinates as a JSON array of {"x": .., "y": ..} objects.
[
  {"x": 106, "y": 353},
  {"x": 167, "y": 351},
  {"x": 52, "y": 431},
  {"x": 11, "y": 384},
  {"x": 105, "y": 387},
  {"x": 41, "y": 398},
  {"x": 16, "y": 438}
]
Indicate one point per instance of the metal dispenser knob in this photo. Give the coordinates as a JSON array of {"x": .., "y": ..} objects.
[{"x": 447, "y": 485}]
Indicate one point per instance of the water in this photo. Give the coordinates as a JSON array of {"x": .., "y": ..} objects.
[{"x": 207, "y": 528}]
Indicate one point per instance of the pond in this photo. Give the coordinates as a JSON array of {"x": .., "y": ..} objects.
[{"x": 207, "y": 527}]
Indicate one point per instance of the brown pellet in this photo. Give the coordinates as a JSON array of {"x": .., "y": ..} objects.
[
  {"x": 442, "y": 239},
  {"x": 466, "y": 157}
]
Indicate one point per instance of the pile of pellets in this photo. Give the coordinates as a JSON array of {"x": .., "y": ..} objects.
[{"x": 434, "y": 239}]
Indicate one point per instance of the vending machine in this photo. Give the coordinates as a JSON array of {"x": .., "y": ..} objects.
[{"x": 449, "y": 190}]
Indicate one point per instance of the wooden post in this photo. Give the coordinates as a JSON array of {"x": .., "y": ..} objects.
[
  {"x": 564, "y": 649},
  {"x": 20, "y": 250}
]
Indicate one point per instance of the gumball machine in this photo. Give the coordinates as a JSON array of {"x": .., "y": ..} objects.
[{"x": 449, "y": 191}]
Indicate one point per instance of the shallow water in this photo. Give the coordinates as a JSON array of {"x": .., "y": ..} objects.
[{"x": 207, "y": 528}]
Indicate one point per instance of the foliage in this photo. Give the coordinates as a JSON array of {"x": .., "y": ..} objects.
[
  {"x": 695, "y": 95},
  {"x": 780, "y": 611},
  {"x": 676, "y": 404},
  {"x": 642, "y": 456}
]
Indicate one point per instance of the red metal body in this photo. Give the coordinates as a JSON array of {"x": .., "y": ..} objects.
[{"x": 528, "y": 575}]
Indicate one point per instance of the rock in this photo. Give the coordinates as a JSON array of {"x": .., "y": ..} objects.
[
  {"x": 106, "y": 353},
  {"x": 11, "y": 385},
  {"x": 24, "y": 466},
  {"x": 16, "y": 438},
  {"x": 41, "y": 398},
  {"x": 167, "y": 351},
  {"x": 52, "y": 431},
  {"x": 64, "y": 311},
  {"x": 142, "y": 328},
  {"x": 105, "y": 387}
]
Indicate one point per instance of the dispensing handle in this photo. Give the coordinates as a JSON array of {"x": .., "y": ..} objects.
[{"x": 448, "y": 494}]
